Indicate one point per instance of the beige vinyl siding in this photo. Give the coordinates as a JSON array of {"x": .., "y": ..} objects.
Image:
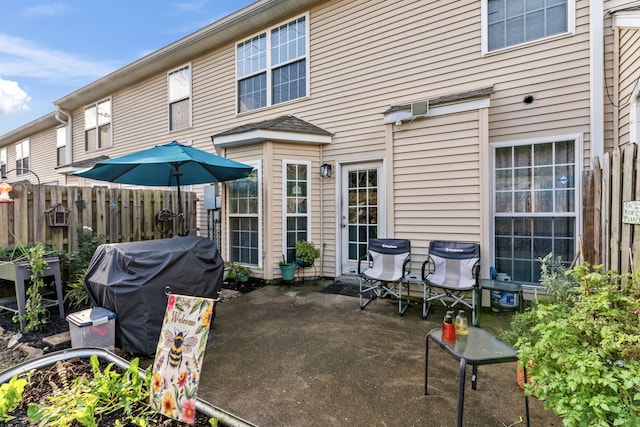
[
  {"x": 140, "y": 114},
  {"x": 436, "y": 176},
  {"x": 292, "y": 152},
  {"x": 615, "y": 105},
  {"x": 611, "y": 83},
  {"x": 43, "y": 158},
  {"x": 629, "y": 75},
  {"x": 366, "y": 56}
]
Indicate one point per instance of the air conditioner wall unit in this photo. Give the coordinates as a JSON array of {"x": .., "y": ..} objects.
[{"x": 420, "y": 109}]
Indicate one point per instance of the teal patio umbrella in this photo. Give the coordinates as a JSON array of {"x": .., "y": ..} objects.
[{"x": 168, "y": 165}]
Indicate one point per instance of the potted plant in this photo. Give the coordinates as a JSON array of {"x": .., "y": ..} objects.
[
  {"x": 238, "y": 272},
  {"x": 584, "y": 349},
  {"x": 306, "y": 253},
  {"x": 559, "y": 289},
  {"x": 287, "y": 269}
]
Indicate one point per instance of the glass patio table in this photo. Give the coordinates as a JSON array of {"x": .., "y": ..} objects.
[{"x": 477, "y": 348}]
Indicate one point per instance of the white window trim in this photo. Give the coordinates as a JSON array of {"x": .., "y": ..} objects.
[
  {"x": 579, "y": 150},
  {"x": 4, "y": 159},
  {"x": 97, "y": 126},
  {"x": 61, "y": 141},
  {"x": 169, "y": 100},
  {"x": 21, "y": 144},
  {"x": 285, "y": 163},
  {"x": 270, "y": 67},
  {"x": 257, "y": 165},
  {"x": 571, "y": 29}
]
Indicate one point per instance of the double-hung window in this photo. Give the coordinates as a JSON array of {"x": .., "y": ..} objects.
[
  {"x": 22, "y": 157},
  {"x": 61, "y": 146},
  {"x": 3, "y": 161},
  {"x": 535, "y": 202},
  {"x": 180, "y": 98},
  {"x": 272, "y": 67},
  {"x": 97, "y": 125},
  {"x": 244, "y": 219},
  {"x": 512, "y": 22},
  {"x": 296, "y": 205}
]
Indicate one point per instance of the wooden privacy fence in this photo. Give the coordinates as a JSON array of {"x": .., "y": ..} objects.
[
  {"x": 115, "y": 215},
  {"x": 607, "y": 239}
]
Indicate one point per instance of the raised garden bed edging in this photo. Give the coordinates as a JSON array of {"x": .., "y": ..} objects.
[{"x": 224, "y": 418}]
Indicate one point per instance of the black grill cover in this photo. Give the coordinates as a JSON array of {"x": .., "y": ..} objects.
[{"x": 130, "y": 280}]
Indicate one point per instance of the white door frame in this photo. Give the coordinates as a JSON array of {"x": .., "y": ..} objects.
[{"x": 343, "y": 264}]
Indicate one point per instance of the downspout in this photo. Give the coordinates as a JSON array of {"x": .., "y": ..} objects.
[
  {"x": 69, "y": 125},
  {"x": 596, "y": 76}
]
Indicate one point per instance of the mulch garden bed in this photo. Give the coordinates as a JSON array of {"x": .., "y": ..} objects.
[{"x": 31, "y": 344}]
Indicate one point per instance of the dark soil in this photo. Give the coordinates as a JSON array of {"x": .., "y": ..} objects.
[
  {"x": 42, "y": 384},
  {"x": 31, "y": 345}
]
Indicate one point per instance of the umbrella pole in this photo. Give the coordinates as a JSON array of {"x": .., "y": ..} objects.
[{"x": 181, "y": 230}]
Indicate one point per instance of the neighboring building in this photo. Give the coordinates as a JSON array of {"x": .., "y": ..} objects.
[{"x": 460, "y": 120}]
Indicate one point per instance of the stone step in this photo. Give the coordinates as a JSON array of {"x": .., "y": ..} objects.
[{"x": 58, "y": 339}]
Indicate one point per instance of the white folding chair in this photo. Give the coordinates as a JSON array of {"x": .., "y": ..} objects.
[
  {"x": 386, "y": 265},
  {"x": 450, "y": 275}
]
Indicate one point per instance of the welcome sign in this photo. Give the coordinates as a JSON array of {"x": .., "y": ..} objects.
[{"x": 179, "y": 356}]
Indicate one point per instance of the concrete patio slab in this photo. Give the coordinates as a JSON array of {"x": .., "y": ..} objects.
[{"x": 293, "y": 356}]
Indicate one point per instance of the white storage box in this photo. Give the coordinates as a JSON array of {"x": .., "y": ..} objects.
[{"x": 93, "y": 327}]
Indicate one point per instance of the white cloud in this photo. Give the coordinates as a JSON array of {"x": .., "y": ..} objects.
[
  {"x": 193, "y": 6},
  {"x": 19, "y": 57},
  {"x": 12, "y": 98},
  {"x": 53, "y": 9}
]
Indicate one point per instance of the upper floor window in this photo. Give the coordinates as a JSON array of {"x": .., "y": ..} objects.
[
  {"x": 97, "y": 125},
  {"x": 61, "y": 145},
  {"x": 512, "y": 22},
  {"x": 3, "y": 161},
  {"x": 180, "y": 98},
  {"x": 272, "y": 67},
  {"x": 22, "y": 157}
]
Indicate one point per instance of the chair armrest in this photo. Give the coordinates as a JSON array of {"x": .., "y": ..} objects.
[
  {"x": 364, "y": 258},
  {"x": 406, "y": 270},
  {"x": 476, "y": 273},
  {"x": 428, "y": 263}
]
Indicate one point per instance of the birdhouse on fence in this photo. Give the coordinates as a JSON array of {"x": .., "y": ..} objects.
[{"x": 58, "y": 215}]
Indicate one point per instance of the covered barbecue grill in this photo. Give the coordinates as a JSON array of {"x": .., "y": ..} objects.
[{"x": 131, "y": 279}]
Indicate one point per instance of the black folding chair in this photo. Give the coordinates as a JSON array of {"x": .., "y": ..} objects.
[
  {"x": 384, "y": 271},
  {"x": 450, "y": 275}
]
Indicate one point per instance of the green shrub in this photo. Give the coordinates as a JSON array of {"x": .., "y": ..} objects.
[{"x": 584, "y": 350}]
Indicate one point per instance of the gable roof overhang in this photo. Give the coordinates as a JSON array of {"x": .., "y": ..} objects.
[
  {"x": 440, "y": 105},
  {"x": 45, "y": 122},
  {"x": 252, "y": 18},
  {"x": 282, "y": 129},
  {"x": 628, "y": 17},
  {"x": 80, "y": 165}
]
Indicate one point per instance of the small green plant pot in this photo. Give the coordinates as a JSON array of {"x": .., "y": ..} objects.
[
  {"x": 303, "y": 264},
  {"x": 287, "y": 272}
]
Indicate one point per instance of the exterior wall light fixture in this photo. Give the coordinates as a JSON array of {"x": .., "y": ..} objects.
[{"x": 325, "y": 170}]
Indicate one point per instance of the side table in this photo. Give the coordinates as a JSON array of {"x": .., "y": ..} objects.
[
  {"x": 477, "y": 348},
  {"x": 502, "y": 286}
]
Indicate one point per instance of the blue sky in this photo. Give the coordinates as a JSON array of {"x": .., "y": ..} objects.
[{"x": 50, "y": 49}]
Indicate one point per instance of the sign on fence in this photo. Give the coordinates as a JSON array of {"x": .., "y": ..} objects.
[{"x": 631, "y": 212}]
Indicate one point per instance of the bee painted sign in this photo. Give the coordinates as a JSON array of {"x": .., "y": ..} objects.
[{"x": 179, "y": 356}]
